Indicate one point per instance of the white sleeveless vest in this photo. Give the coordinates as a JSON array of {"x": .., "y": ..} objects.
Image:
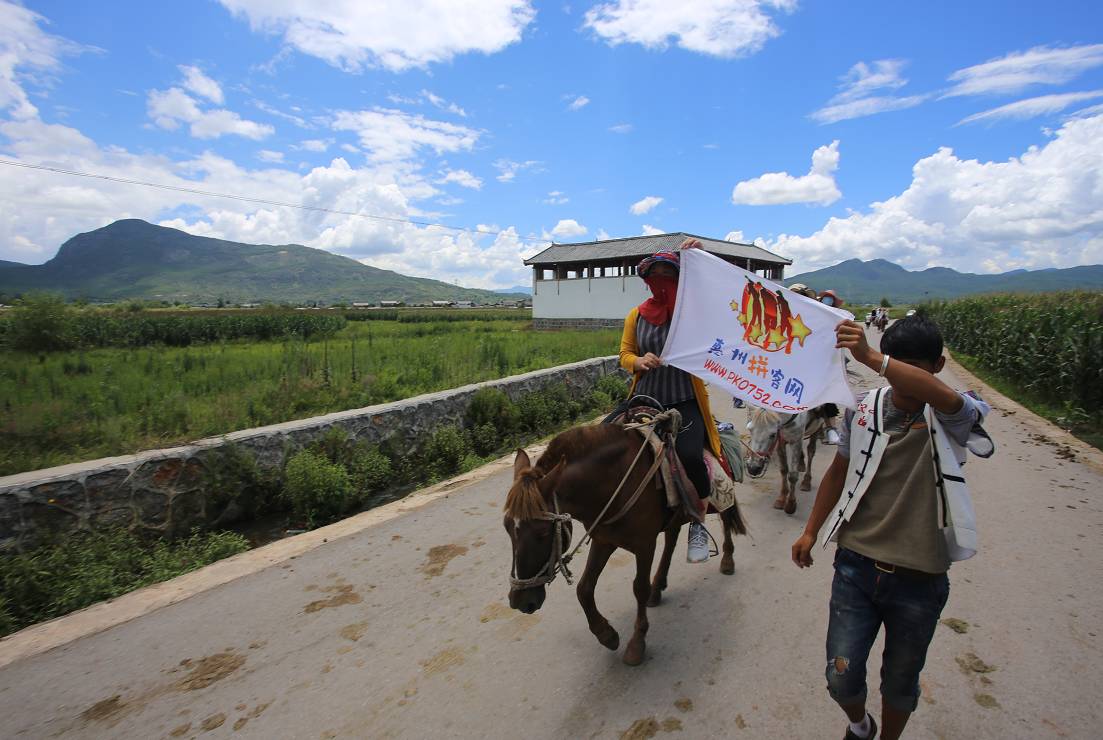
[{"x": 868, "y": 441}]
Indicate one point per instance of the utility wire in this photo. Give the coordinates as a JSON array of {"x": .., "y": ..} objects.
[{"x": 263, "y": 201}]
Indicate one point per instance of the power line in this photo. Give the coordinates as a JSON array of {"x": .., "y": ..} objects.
[{"x": 247, "y": 199}]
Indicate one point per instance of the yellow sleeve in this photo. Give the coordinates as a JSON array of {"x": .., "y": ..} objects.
[{"x": 628, "y": 348}]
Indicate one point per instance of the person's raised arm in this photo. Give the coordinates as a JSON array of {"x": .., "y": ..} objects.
[{"x": 908, "y": 379}]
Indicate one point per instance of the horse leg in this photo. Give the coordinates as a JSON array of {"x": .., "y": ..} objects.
[
  {"x": 792, "y": 449},
  {"x": 806, "y": 484},
  {"x": 658, "y": 585},
  {"x": 727, "y": 562},
  {"x": 633, "y": 654},
  {"x": 783, "y": 466},
  {"x": 599, "y": 625}
]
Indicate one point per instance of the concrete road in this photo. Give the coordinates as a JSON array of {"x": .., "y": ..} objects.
[{"x": 401, "y": 629}]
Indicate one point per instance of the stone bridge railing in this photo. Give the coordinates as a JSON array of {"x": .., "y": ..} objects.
[{"x": 162, "y": 491}]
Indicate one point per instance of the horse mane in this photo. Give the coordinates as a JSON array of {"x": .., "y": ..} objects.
[{"x": 524, "y": 500}]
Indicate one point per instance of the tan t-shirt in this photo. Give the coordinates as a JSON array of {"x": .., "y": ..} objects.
[{"x": 897, "y": 519}]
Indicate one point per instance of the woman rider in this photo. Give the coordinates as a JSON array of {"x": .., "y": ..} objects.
[{"x": 645, "y": 330}]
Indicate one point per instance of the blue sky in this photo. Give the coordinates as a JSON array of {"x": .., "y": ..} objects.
[{"x": 960, "y": 134}]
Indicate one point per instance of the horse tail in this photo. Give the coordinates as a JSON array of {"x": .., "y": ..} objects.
[{"x": 733, "y": 519}]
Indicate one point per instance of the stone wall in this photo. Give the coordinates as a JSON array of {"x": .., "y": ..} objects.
[
  {"x": 163, "y": 491},
  {"x": 578, "y": 323}
]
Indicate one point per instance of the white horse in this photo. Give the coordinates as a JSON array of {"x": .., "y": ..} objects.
[{"x": 783, "y": 434}]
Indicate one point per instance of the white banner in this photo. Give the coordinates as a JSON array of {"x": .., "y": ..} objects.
[{"x": 754, "y": 339}]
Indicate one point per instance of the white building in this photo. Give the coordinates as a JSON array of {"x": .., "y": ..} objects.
[{"x": 595, "y": 284}]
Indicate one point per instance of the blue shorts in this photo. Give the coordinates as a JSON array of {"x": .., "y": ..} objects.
[{"x": 863, "y": 598}]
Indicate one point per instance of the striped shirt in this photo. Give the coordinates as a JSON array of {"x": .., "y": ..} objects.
[{"x": 667, "y": 385}]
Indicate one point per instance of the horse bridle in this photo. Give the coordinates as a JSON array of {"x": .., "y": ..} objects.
[
  {"x": 769, "y": 453},
  {"x": 557, "y": 561}
]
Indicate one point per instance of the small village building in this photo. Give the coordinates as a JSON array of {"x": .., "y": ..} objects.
[
  {"x": 390, "y": 304},
  {"x": 361, "y": 304},
  {"x": 594, "y": 284},
  {"x": 441, "y": 304}
]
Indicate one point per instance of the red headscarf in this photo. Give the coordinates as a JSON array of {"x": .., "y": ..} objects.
[{"x": 660, "y": 308}]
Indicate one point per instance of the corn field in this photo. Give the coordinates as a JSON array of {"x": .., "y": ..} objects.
[{"x": 1049, "y": 344}]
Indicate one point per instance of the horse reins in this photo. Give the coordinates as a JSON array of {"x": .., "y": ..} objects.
[
  {"x": 559, "y": 562},
  {"x": 769, "y": 453}
]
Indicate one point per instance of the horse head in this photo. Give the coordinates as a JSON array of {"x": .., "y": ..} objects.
[
  {"x": 765, "y": 429},
  {"x": 533, "y": 529}
]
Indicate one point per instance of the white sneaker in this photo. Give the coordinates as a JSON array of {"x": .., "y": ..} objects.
[
  {"x": 698, "y": 551},
  {"x": 832, "y": 437}
]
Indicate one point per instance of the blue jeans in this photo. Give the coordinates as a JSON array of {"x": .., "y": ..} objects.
[{"x": 863, "y": 598}]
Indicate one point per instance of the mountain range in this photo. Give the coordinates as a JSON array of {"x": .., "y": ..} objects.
[
  {"x": 135, "y": 259},
  {"x": 858, "y": 281}
]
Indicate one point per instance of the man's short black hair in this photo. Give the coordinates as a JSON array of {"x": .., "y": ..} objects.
[{"x": 914, "y": 337}]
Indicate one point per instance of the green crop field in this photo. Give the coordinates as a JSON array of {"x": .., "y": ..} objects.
[
  {"x": 1044, "y": 349},
  {"x": 67, "y": 405}
]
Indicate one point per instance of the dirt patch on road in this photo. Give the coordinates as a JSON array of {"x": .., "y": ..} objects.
[
  {"x": 970, "y": 664},
  {"x": 344, "y": 595},
  {"x": 496, "y": 610},
  {"x": 959, "y": 626},
  {"x": 209, "y": 670},
  {"x": 439, "y": 557},
  {"x": 104, "y": 710},
  {"x": 354, "y": 631},
  {"x": 444, "y": 660}
]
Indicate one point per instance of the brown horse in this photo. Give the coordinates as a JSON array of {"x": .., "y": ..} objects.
[{"x": 575, "y": 478}]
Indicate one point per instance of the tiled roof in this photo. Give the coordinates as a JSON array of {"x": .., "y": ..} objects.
[{"x": 642, "y": 246}]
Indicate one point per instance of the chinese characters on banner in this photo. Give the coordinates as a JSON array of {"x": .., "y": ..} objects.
[{"x": 754, "y": 339}]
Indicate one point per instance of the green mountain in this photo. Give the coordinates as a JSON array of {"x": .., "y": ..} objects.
[
  {"x": 867, "y": 282},
  {"x": 135, "y": 259}
]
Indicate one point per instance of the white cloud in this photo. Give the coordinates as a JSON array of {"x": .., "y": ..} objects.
[
  {"x": 26, "y": 50},
  {"x": 443, "y": 104},
  {"x": 315, "y": 145},
  {"x": 602, "y": 235},
  {"x": 775, "y": 188},
  {"x": 1041, "y": 209},
  {"x": 508, "y": 169},
  {"x": 556, "y": 198},
  {"x": 267, "y": 155},
  {"x": 579, "y": 103},
  {"x": 622, "y": 128},
  {"x": 391, "y": 135},
  {"x": 721, "y": 28},
  {"x": 1033, "y": 107},
  {"x": 393, "y": 34},
  {"x": 169, "y": 108},
  {"x": 1042, "y": 65},
  {"x": 858, "y": 92},
  {"x": 463, "y": 178},
  {"x": 568, "y": 227},
  {"x": 649, "y": 230},
  {"x": 273, "y": 111},
  {"x": 201, "y": 84},
  {"x": 735, "y": 236},
  {"x": 644, "y": 205}
]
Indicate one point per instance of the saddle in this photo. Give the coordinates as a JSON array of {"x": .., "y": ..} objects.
[{"x": 660, "y": 430}]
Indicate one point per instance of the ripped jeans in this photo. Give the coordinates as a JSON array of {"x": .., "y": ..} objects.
[{"x": 862, "y": 599}]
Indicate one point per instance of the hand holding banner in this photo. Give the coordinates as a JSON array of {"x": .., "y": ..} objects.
[{"x": 754, "y": 339}]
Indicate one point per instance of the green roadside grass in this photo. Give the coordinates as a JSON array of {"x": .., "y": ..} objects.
[{"x": 1083, "y": 429}]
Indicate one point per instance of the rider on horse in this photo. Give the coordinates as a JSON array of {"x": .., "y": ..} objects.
[{"x": 645, "y": 331}]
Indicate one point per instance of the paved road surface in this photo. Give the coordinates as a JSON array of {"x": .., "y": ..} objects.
[{"x": 402, "y": 630}]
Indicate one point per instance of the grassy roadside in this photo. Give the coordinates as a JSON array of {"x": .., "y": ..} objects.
[{"x": 1082, "y": 429}]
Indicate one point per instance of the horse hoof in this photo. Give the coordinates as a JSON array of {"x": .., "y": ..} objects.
[
  {"x": 633, "y": 654},
  {"x": 791, "y": 505},
  {"x": 655, "y": 598},
  {"x": 727, "y": 565},
  {"x": 609, "y": 638},
  {"x": 779, "y": 502},
  {"x": 806, "y": 485}
]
